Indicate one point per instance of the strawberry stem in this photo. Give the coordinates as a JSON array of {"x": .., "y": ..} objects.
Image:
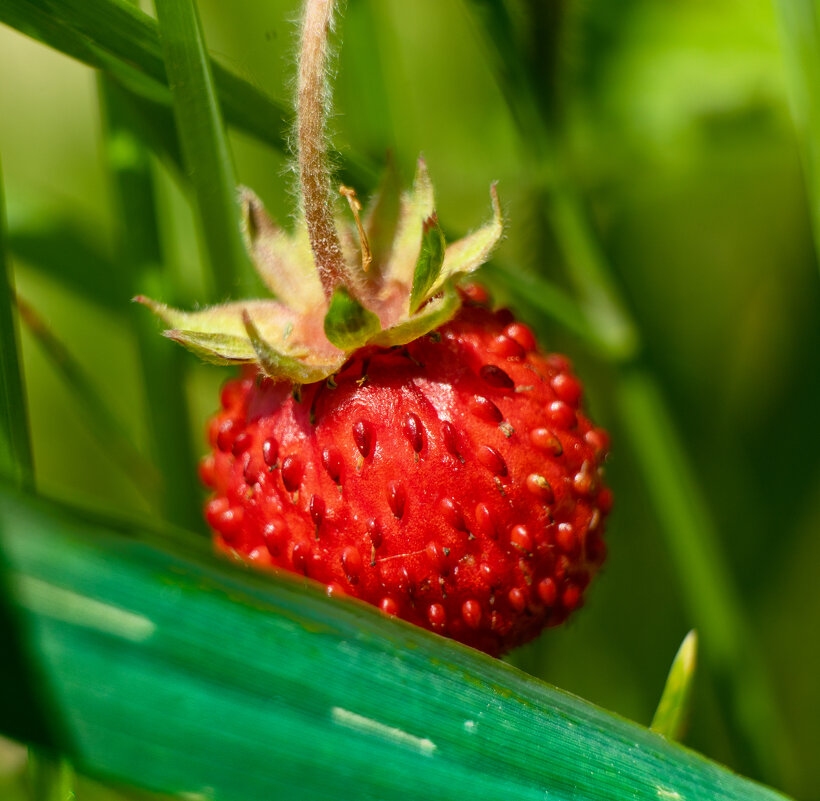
[{"x": 314, "y": 174}]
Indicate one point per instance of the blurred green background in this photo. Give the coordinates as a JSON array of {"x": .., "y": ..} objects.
[{"x": 675, "y": 132}]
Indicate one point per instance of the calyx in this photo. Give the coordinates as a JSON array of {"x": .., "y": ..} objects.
[{"x": 398, "y": 283}]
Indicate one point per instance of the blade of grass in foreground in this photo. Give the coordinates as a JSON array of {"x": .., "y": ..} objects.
[
  {"x": 15, "y": 447},
  {"x": 204, "y": 143},
  {"x": 168, "y": 669}
]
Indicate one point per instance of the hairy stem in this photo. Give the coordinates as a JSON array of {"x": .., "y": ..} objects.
[{"x": 314, "y": 174}]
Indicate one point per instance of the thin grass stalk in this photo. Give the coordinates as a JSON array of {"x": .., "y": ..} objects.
[
  {"x": 139, "y": 252},
  {"x": 16, "y": 459},
  {"x": 704, "y": 578},
  {"x": 800, "y": 37},
  {"x": 204, "y": 145}
]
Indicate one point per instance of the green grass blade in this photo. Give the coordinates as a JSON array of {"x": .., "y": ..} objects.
[
  {"x": 240, "y": 686},
  {"x": 204, "y": 143},
  {"x": 139, "y": 254},
  {"x": 15, "y": 446},
  {"x": 672, "y": 714},
  {"x": 800, "y": 34}
]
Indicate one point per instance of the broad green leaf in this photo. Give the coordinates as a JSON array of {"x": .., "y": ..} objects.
[
  {"x": 428, "y": 264},
  {"x": 161, "y": 666},
  {"x": 15, "y": 447},
  {"x": 349, "y": 325},
  {"x": 204, "y": 142},
  {"x": 672, "y": 713}
]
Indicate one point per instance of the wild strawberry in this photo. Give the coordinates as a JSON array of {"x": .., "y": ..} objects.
[
  {"x": 453, "y": 481},
  {"x": 385, "y": 439}
]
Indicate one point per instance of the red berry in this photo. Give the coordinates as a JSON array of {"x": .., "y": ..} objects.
[
  {"x": 521, "y": 334},
  {"x": 454, "y": 482}
]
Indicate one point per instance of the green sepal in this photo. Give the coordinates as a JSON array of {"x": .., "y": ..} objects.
[
  {"x": 349, "y": 325},
  {"x": 279, "y": 365},
  {"x": 470, "y": 252},
  {"x": 274, "y": 339},
  {"x": 214, "y": 348},
  {"x": 672, "y": 713},
  {"x": 303, "y": 337},
  {"x": 284, "y": 261},
  {"x": 429, "y": 262},
  {"x": 435, "y": 313},
  {"x": 220, "y": 328},
  {"x": 382, "y": 217},
  {"x": 415, "y": 207}
]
